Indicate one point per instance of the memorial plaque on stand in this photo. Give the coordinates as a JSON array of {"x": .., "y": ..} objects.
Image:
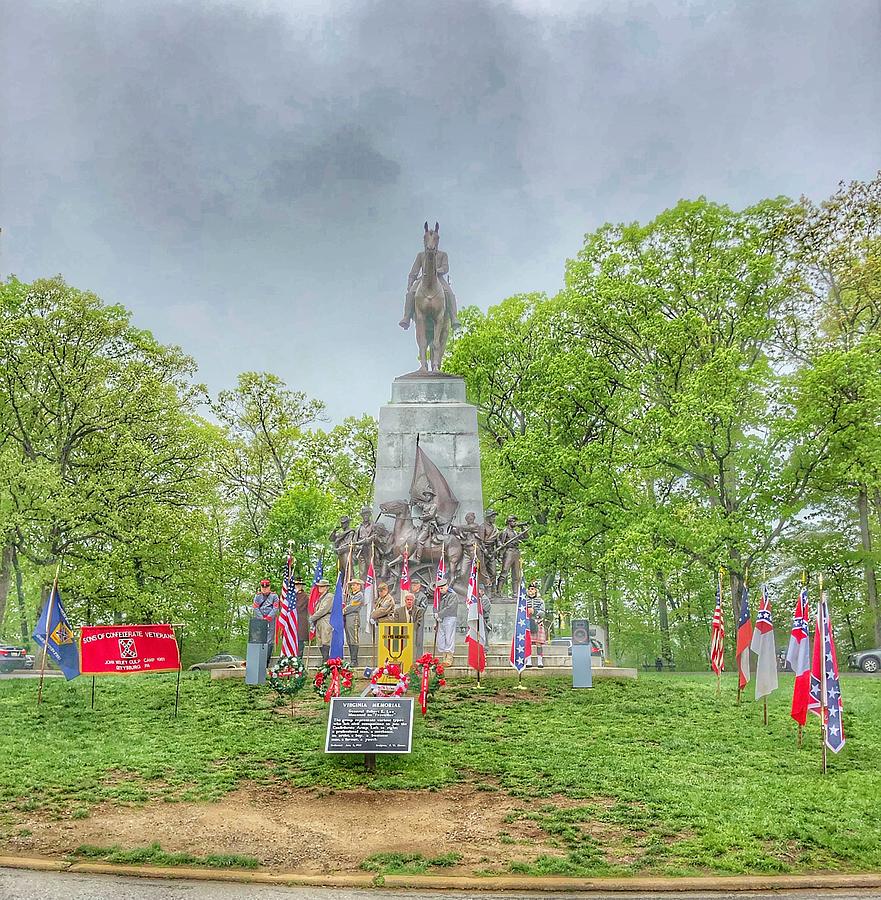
[{"x": 370, "y": 725}]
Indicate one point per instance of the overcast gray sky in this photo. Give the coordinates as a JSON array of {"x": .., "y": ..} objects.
[{"x": 251, "y": 178}]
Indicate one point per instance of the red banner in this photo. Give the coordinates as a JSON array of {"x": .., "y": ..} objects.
[{"x": 128, "y": 649}]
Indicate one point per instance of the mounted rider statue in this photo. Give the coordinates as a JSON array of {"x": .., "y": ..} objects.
[{"x": 417, "y": 272}]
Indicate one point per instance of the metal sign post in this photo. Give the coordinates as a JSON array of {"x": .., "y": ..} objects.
[{"x": 582, "y": 673}]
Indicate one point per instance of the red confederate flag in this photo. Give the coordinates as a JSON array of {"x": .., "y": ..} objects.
[
  {"x": 405, "y": 573},
  {"x": 798, "y": 655},
  {"x": 313, "y": 596},
  {"x": 744, "y": 638},
  {"x": 476, "y": 638}
]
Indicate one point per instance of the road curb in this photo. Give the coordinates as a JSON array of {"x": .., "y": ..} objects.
[{"x": 587, "y": 886}]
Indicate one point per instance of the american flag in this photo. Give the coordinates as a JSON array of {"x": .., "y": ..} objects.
[
  {"x": 313, "y": 596},
  {"x": 287, "y": 617},
  {"x": 476, "y": 638},
  {"x": 521, "y": 645},
  {"x": 744, "y": 638},
  {"x": 441, "y": 573},
  {"x": 825, "y": 694},
  {"x": 717, "y": 640},
  {"x": 798, "y": 655}
]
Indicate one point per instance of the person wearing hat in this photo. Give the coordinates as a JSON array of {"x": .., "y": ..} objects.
[
  {"x": 535, "y": 611},
  {"x": 352, "y": 617},
  {"x": 383, "y": 609},
  {"x": 488, "y": 538},
  {"x": 266, "y": 604},
  {"x": 447, "y": 617},
  {"x": 302, "y": 615},
  {"x": 321, "y": 617},
  {"x": 429, "y": 527}
]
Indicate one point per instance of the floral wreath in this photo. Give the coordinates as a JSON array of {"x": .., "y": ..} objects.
[
  {"x": 333, "y": 679},
  {"x": 287, "y": 676},
  {"x": 429, "y": 671},
  {"x": 381, "y": 689}
]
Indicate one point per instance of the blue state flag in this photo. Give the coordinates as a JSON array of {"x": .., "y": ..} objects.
[
  {"x": 53, "y": 632},
  {"x": 336, "y": 620}
]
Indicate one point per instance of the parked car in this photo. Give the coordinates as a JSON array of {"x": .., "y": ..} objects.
[
  {"x": 867, "y": 660},
  {"x": 12, "y": 658},
  {"x": 221, "y": 661}
]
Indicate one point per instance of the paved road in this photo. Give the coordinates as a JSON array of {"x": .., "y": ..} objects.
[{"x": 19, "y": 884}]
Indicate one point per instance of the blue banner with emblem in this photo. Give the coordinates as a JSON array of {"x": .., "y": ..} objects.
[{"x": 53, "y": 633}]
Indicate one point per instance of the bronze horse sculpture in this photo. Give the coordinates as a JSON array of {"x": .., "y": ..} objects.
[
  {"x": 405, "y": 534},
  {"x": 432, "y": 321}
]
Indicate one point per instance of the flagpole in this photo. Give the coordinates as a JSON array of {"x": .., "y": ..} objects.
[
  {"x": 804, "y": 584},
  {"x": 746, "y": 650},
  {"x": 821, "y": 621},
  {"x": 46, "y": 637},
  {"x": 436, "y": 620},
  {"x": 721, "y": 613},
  {"x": 477, "y": 601}
]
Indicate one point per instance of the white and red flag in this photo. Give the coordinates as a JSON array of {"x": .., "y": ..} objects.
[
  {"x": 476, "y": 638},
  {"x": 825, "y": 696},
  {"x": 287, "y": 616},
  {"x": 441, "y": 573},
  {"x": 764, "y": 646},
  {"x": 405, "y": 572},
  {"x": 367, "y": 607},
  {"x": 744, "y": 639},
  {"x": 798, "y": 655},
  {"x": 717, "y": 638}
]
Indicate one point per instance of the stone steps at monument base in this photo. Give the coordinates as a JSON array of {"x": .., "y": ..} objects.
[{"x": 496, "y": 671}]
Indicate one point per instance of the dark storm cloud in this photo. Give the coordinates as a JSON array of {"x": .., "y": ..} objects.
[{"x": 227, "y": 170}]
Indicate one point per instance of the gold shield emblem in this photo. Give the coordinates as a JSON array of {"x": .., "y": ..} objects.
[{"x": 396, "y": 644}]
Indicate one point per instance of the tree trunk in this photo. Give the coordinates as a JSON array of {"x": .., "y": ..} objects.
[
  {"x": 604, "y": 611},
  {"x": 868, "y": 563},
  {"x": 5, "y": 580},
  {"x": 22, "y": 607},
  {"x": 663, "y": 616}
]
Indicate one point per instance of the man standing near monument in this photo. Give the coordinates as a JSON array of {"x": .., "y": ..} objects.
[
  {"x": 302, "y": 616},
  {"x": 266, "y": 605},
  {"x": 448, "y": 620},
  {"x": 443, "y": 270},
  {"x": 383, "y": 605},
  {"x": 321, "y": 618},
  {"x": 352, "y": 618}
]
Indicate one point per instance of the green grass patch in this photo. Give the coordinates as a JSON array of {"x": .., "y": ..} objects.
[
  {"x": 653, "y": 776},
  {"x": 154, "y": 855},
  {"x": 408, "y": 863}
]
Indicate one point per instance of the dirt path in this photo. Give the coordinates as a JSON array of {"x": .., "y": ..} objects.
[{"x": 308, "y": 830}]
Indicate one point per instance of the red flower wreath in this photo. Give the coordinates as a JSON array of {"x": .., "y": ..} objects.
[
  {"x": 381, "y": 689},
  {"x": 429, "y": 670},
  {"x": 333, "y": 679}
]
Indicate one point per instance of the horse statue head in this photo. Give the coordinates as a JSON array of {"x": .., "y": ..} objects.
[
  {"x": 431, "y": 239},
  {"x": 396, "y": 508}
]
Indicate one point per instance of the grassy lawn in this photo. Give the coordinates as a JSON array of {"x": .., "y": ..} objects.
[{"x": 690, "y": 782}]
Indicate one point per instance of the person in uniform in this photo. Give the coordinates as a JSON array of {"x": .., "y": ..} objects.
[
  {"x": 383, "y": 605},
  {"x": 509, "y": 544},
  {"x": 442, "y": 264},
  {"x": 352, "y": 617},
  {"x": 488, "y": 537},
  {"x": 266, "y": 605},
  {"x": 364, "y": 541},
  {"x": 429, "y": 528},
  {"x": 535, "y": 611},
  {"x": 421, "y": 601},
  {"x": 321, "y": 618},
  {"x": 302, "y": 617},
  {"x": 447, "y": 618},
  {"x": 342, "y": 538}
]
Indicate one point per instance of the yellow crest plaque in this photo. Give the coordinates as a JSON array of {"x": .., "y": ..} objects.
[{"x": 395, "y": 645}]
